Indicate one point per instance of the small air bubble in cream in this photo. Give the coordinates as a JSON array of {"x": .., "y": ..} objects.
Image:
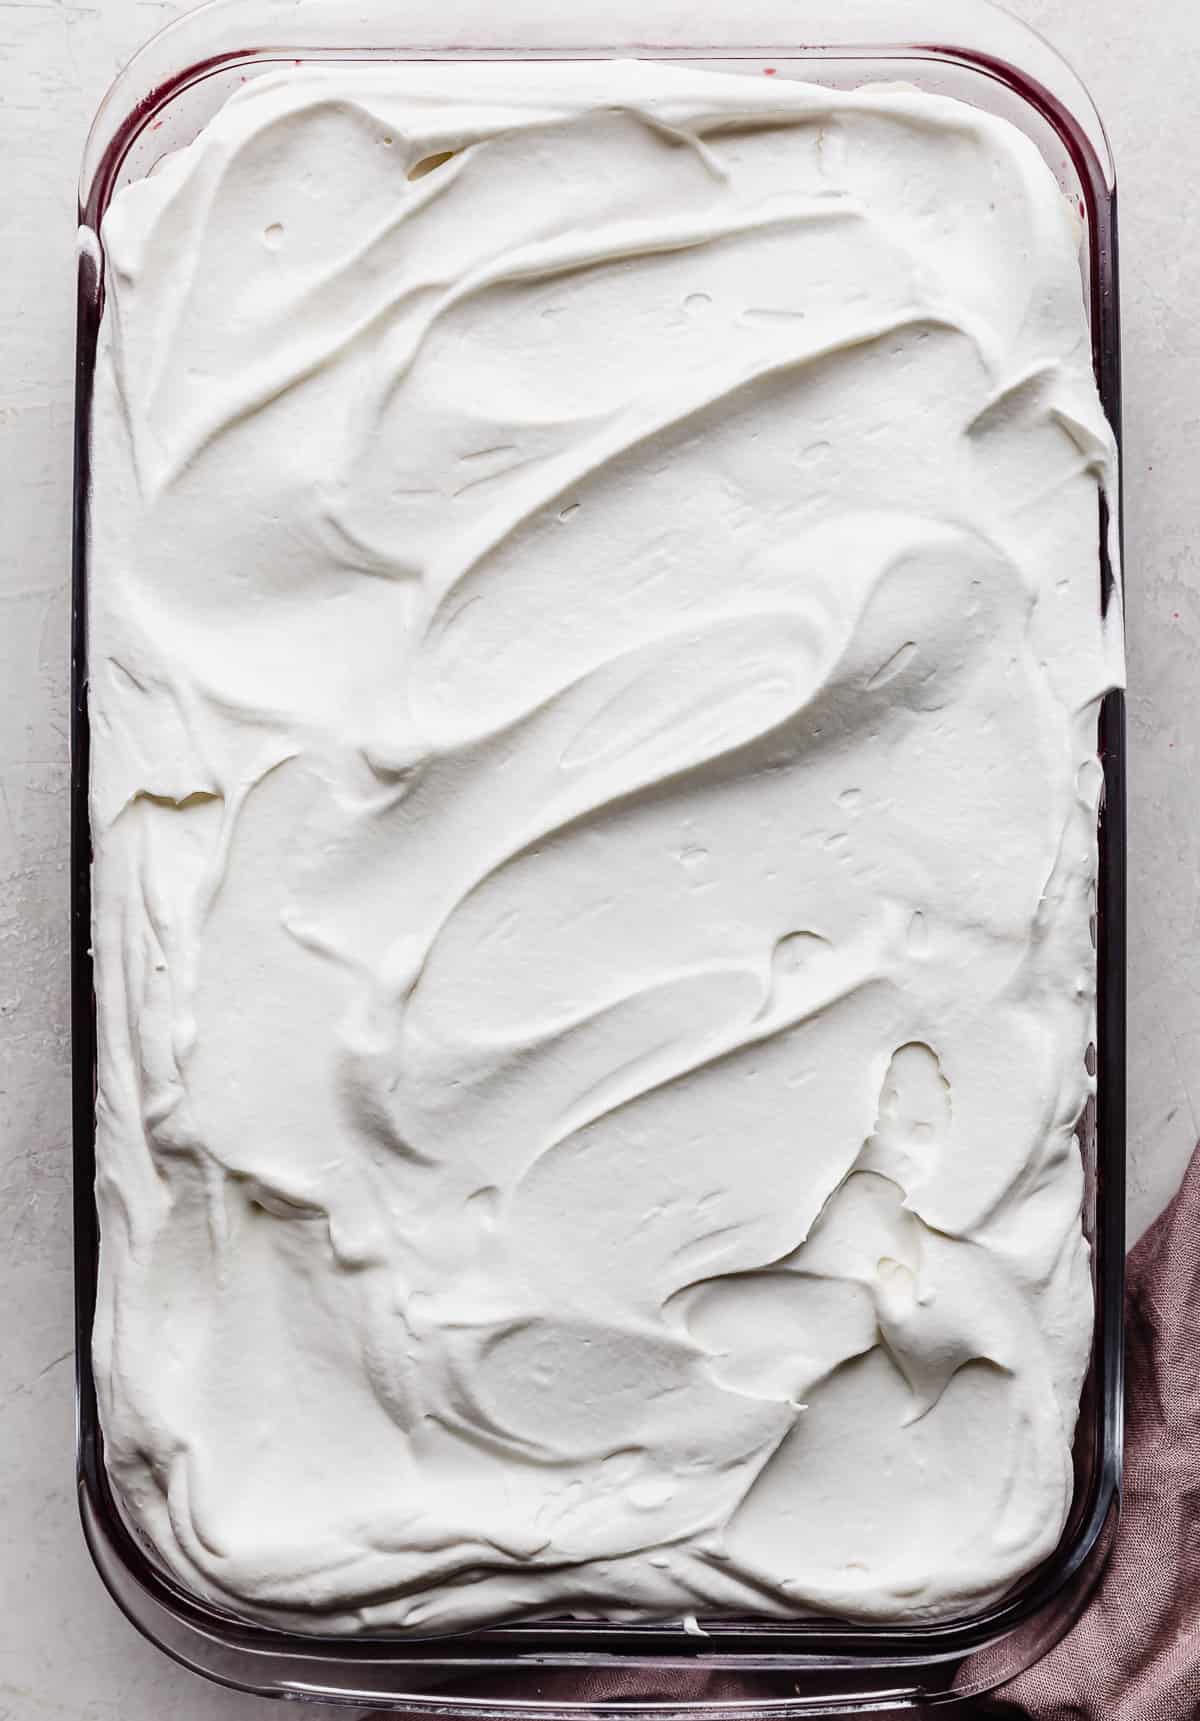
[{"x": 273, "y": 236}]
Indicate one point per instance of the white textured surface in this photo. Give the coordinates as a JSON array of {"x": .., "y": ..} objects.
[
  {"x": 63, "y": 1649},
  {"x": 465, "y": 1217}
]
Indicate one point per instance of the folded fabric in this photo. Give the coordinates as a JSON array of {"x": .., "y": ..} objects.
[{"x": 1134, "y": 1654}]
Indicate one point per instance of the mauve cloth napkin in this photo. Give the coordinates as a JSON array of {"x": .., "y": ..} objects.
[{"x": 1134, "y": 1653}]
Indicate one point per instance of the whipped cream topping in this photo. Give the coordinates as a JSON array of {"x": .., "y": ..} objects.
[{"x": 595, "y": 656}]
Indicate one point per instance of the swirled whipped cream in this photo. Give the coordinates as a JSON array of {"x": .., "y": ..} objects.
[{"x": 596, "y": 645}]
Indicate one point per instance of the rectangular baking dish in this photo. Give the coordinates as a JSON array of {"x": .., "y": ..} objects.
[{"x": 736, "y": 1667}]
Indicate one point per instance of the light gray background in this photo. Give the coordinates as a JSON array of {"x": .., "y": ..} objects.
[{"x": 64, "y": 1651}]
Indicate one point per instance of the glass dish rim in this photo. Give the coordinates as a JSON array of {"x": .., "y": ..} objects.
[{"x": 797, "y": 1645}]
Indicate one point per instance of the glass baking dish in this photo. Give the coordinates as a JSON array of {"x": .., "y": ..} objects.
[{"x": 734, "y": 1667}]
